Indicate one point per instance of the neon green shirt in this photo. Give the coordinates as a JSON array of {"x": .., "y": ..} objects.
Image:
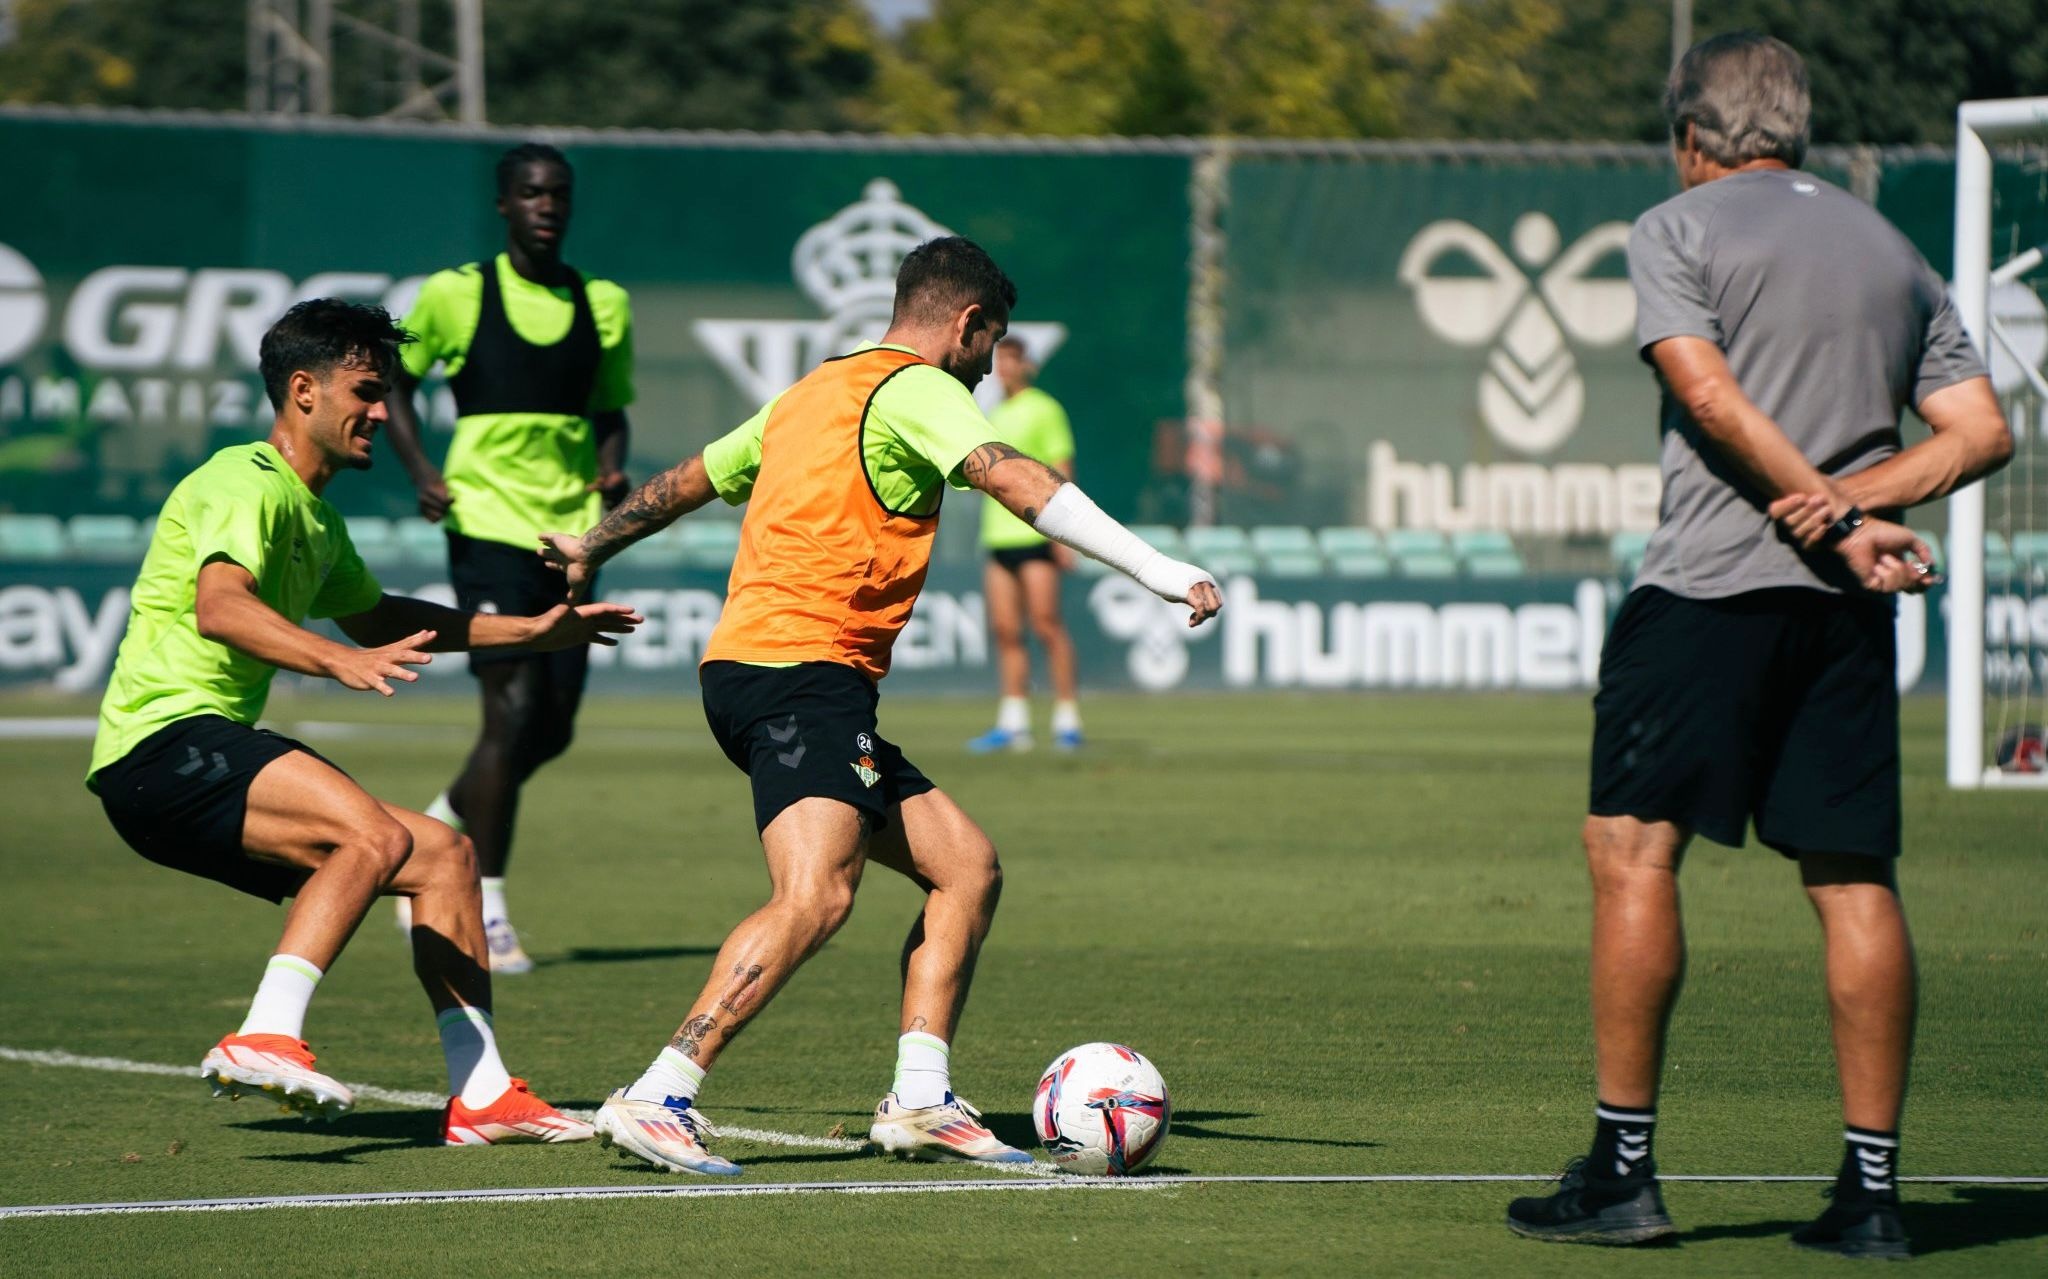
[
  {"x": 1034, "y": 424},
  {"x": 247, "y": 506},
  {"x": 515, "y": 475},
  {"x": 921, "y": 425}
]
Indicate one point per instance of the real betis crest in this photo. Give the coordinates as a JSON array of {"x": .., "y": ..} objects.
[{"x": 865, "y": 767}]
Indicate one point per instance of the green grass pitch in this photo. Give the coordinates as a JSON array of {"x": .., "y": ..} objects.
[{"x": 1349, "y": 929}]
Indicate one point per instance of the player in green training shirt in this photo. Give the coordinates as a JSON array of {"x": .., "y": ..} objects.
[
  {"x": 540, "y": 358},
  {"x": 246, "y": 549},
  {"x": 1022, "y": 580}
]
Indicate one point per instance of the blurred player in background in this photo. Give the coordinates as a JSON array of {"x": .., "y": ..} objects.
[
  {"x": 1751, "y": 675},
  {"x": 843, "y": 475},
  {"x": 245, "y": 550},
  {"x": 540, "y": 359},
  {"x": 1022, "y": 580}
]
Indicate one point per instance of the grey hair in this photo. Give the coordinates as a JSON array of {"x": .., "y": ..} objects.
[{"x": 1746, "y": 98}]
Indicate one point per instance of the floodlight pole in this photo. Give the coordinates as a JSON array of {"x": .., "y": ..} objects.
[
  {"x": 292, "y": 68},
  {"x": 1681, "y": 29}
]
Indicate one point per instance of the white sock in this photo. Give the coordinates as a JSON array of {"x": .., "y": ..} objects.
[
  {"x": 1066, "y": 717},
  {"x": 444, "y": 812},
  {"x": 922, "y": 1076},
  {"x": 494, "y": 899},
  {"x": 280, "y": 1004},
  {"x": 671, "y": 1075},
  {"x": 475, "y": 1072},
  {"x": 1013, "y": 715}
]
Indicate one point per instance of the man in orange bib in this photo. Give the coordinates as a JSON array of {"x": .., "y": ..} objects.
[{"x": 844, "y": 473}]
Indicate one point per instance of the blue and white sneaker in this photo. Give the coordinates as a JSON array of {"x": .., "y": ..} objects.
[
  {"x": 1067, "y": 739},
  {"x": 668, "y": 1134},
  {"x": 999, "y": 739}
]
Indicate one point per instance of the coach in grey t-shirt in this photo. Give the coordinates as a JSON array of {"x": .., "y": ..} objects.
[
  {"x": 1750, "y": 675},
  {"x": 1829, "y": 321}
]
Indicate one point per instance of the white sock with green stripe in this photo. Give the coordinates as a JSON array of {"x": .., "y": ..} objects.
[
  {"x": 670, "y": 1076},
  {"x": 475, "y": 1072},
  {"x": 280, "y": 1004},
  {"x": 923, "y": 1076}
]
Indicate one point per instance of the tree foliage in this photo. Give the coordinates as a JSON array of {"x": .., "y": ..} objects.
[
  {"x": 1315, "y": 68},
  {"x": 1883, "y": 70}
]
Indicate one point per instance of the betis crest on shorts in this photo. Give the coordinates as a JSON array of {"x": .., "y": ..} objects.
[{"x": 864, "y": 767}]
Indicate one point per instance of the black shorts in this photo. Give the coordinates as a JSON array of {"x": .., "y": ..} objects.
[
  {"x": 1012, "y": 558},
  {"x": 179, "y": 799},
  {"x": 491, "y": 577},
  {"x": 1778, "y": 706},
  {"x": 804, "y": 731}
]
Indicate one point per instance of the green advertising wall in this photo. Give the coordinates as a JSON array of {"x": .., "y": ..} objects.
[{"x": 112, "y": 384}]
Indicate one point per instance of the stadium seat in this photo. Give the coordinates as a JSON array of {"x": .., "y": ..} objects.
[
  {"x": 660, "y": 550},
  {"x": 1627, "y": 548},
  {"x": 107, "y": 539},
  {"x": 710, "y": 543},
  {"x": 1998, "y": 558},
  {"x": 31, "y": 537},
  {"x": 1163, "y": 536},
  {"x": 1426, "y": 564},
  {"x": 1421, "y": 553},
  {"x": 418, "y": 541},
  {"x": 1485, "y": 541},
  {"x": 376, "y": 541},
  {"x": 1223, "y": 549},
  {"x": 1494, "y": 565},
  {"x": 1354, "y": 552},
  {"x": 2031, "y": 549},
  {"x": 1287, "y": 551}
]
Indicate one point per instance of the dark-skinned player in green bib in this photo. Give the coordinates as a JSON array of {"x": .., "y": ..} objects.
[{"x": 540, "y": 359}]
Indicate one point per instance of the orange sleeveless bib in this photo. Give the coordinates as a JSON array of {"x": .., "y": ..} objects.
[{"x": 824, "y": 573}]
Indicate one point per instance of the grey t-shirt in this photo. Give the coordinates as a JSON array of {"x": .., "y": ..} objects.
[{"x": 1831, "y": 323}]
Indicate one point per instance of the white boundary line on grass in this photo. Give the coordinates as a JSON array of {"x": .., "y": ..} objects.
[
  {"x": 717, "y": 1191},
  {"x": 390, "y": 1096},
  {"x": 433, "y": 1101}
]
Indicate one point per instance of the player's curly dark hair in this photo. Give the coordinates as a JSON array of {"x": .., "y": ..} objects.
[
  {"x": 526, "y": 153},
  {"x": 941, "y": 276},
  {"x": 323, "y": 334}
]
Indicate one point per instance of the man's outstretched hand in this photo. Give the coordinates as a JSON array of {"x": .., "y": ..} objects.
[
  {"x": 1877, "y": 552},
  {"x": 566, "y": 553},
  {"x": 566, "y": 626}
]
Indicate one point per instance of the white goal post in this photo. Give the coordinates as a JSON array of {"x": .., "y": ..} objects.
[{"x": 1979, "y": 126}]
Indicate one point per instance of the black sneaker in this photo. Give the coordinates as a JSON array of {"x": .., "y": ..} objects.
[
  {"x": 1584, "y": 1209},
  {"x": 1864, "y": 1226}
]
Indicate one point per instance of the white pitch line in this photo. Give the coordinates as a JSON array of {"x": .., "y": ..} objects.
[
  {"x": 701, "y": 1190},
  {"x": 16, "y": 728},
  {"x": 390, "y": 1096}
]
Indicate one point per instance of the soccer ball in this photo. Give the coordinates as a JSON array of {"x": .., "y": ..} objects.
[{"x": 1101, "y": 1110}]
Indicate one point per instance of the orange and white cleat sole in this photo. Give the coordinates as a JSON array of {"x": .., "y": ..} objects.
[
  {"x": 515, "y": 1116},
  {"x": 276, "y": 1067}
]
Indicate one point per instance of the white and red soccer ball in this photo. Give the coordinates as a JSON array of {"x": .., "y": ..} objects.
[{"x": 1101, "y": 1110}]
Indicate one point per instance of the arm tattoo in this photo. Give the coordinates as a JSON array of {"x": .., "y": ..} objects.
[
  {"x": 981, "y": 463},
  {"x": 983, "y": 460},
  {"x": 650, "y": 508}
]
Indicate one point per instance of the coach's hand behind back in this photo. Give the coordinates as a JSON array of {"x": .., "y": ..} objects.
[
  {"x": 1877, "y": 553},
  {"x": 372, "y": 669},
  {"x": 565, "y": 627}
]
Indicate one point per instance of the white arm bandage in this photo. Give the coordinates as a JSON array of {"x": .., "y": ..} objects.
[{"x": 1071, "y": 519}]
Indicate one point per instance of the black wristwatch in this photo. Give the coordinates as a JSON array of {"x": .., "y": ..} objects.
[{"x": 1839, "y": 531}]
